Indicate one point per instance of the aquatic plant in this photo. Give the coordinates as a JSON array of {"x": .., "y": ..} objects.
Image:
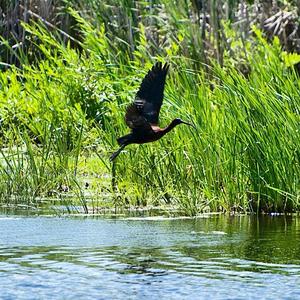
[{"x": 62, "y": 110}]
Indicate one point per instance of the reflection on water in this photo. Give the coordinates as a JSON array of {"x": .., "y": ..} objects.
[{"x": 89, "y": 258}]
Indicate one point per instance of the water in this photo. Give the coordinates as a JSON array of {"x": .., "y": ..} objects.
[{"x": 99, "y": 258}]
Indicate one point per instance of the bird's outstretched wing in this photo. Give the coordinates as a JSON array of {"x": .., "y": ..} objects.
[
  {"x": 150, "y": 95},
  {"x": 135, "y": 119},
  {"x": 144, "y": 111}
]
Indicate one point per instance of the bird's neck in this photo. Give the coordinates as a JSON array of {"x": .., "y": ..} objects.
[{"x": 170, "y": 127}]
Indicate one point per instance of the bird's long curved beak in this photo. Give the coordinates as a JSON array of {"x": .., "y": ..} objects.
[{"x": 189, "y": 124}]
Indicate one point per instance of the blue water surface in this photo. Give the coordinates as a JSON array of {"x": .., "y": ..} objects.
[{"x": 217, "y": 257}]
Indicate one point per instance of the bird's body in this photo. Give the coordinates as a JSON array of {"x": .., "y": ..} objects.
[{"x": 142, "y": 115}]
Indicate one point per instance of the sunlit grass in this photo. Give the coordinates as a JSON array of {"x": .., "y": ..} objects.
[{"x": 61, "y": 117}]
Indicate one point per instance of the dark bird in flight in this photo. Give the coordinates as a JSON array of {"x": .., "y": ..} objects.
[{"x": 142, "y": 115}]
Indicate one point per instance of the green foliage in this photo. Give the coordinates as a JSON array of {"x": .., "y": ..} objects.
[{"x": 67, "y": 108}]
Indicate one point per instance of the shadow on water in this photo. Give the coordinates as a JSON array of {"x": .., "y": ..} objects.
[{"x": 133, "y": 257}]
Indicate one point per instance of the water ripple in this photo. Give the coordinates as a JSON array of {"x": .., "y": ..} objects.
[{"x": 183, "y": 259}]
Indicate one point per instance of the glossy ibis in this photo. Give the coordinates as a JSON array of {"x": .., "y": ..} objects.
[{"x": 142, "y": 115}]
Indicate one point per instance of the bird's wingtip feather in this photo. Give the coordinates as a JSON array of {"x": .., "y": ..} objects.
[
  {"x": 166, "y": 67},
  {"x": 158, "y": 66}
]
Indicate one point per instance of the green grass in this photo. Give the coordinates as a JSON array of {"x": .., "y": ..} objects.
[{"x": 62, "y": 114}]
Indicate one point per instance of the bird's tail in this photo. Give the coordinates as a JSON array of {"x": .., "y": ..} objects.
[{"x": 124, "y": 140}]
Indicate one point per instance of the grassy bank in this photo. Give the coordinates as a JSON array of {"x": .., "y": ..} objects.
[{"x": 62, "y": 111}]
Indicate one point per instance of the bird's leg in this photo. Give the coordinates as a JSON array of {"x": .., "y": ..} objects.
[
  {"x": 113, "y": 184},
  {"x": 116, "y": 153}
]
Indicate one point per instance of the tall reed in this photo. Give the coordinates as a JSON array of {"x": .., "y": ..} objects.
[{"x": 61, "y": 117}]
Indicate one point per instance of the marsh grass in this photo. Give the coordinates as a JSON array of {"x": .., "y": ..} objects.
[
  {"x": 62, "y": 114},
  {"x": 244, "y": 155}
]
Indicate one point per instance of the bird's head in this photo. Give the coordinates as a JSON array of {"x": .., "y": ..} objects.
[{"x": 178, "y": 121}]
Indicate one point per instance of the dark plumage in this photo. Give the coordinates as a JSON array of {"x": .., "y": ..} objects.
[{"x": 142, "y": 115}]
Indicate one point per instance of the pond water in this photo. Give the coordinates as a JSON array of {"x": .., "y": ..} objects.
[{"x": 151, "y": 258}]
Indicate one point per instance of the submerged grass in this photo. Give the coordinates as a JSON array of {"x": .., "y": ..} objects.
[{"x": 60, "y": 118}]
